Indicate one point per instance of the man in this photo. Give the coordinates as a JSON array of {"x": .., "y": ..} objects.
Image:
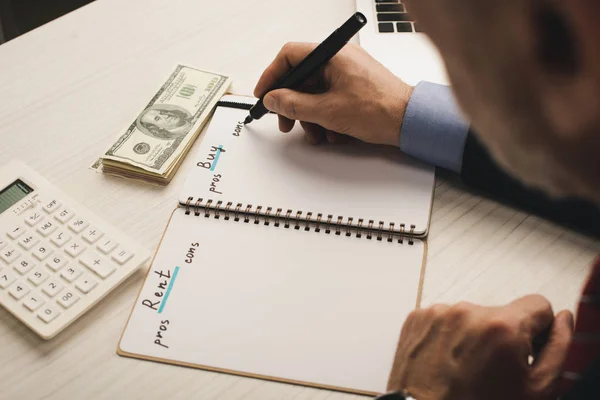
[
  {"x": 527, "y": 75},
  {"x": 165, "y": 121}
]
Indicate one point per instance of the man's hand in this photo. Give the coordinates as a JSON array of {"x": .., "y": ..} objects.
[
  {"x": 469, "y": 352},
  {"x": 353, "y": 95}
]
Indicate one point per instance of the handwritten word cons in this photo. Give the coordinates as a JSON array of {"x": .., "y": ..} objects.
[
  {"x": 189, "y": 257},
  {"x": 238, "y": 129}
]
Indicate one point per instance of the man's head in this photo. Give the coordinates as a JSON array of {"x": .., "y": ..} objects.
[
  {"x": 527, "y": 74},
  {"x": 164, "y": 121}
]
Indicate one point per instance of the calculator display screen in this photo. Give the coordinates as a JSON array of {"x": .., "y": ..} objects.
[{"x": 12, "y": 194}]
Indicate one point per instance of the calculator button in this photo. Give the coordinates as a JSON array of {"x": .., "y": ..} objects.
[
  {"x": 51, "y": 206},
  {"x": 16, "y": 232},
  {"x": 18, "y": 290},
  {"x": 67, "y": 299},
  {"x": 3, "y": 243},
  {"x": 33, "y": 302},
  {"x": 75, "y": 248},
  {"x": 57, "y": 261},
  {"x": 95, "y": 262},
  {"x": 48, "y": 313},
  {"x": 60, "y": 238},
  {"x": 71, "y": 273},
  {"x": 9, "y": 254},
  {"x": 122, "y": 256},
  {"x": 38, "y": 276},
  {"x": 64, "y": 215},
  {"x": 85, "y": 284},
  {"x": 24, "y": 265},
  {"x": 34, "y": 217},
  {"x": 52, "y": 287},
  {"x": 78, "y": 224},
  {"x": 42, "y": 251},
  {"x": 7, "y": 278},
  {"x": 107, "y": 245},
  {"x": 28, "y": 241},
  {"x": 47, "y": 228},
  {"x": 92, "y": 235}
]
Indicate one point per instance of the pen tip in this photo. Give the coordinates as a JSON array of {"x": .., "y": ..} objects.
[{"x": 248, "y": 120}]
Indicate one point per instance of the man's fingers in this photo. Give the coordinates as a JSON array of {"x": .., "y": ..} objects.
[
  {"x": 290, "y": 55},
  {"x": 548, "y": 366},
  {"x": 314, "y": 133},
  {"x": 536, "y": 311},
  {"x": 332, "y": 137},
  {"x": 337, "y": 138},
  {"x": 295, "y": 105},
  {"x": 286, "y": 124}
]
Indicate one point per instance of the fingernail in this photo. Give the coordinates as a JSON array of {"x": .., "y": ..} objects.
[{"x": 270, "y": 103}]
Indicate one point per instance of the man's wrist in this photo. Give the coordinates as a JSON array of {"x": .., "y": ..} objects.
[
  {"x": 396, "y": 106},
  {"x": 406, "y": 93}
]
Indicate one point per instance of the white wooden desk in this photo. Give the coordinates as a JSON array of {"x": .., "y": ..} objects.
[{"x": 68, "y": 88}]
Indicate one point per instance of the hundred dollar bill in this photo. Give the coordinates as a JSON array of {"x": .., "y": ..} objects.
[{"x": 161, "y": 135}]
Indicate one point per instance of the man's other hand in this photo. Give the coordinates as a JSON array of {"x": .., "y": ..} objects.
[
  {"x": 352, "y": 95},
  {"x": 469, "y": 352}
]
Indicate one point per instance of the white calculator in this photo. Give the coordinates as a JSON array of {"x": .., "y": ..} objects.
[{"x": 57, "y": 259}]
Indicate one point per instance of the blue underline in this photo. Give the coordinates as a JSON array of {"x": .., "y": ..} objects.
[
  {"x": 164, "y": 302},
  {"x": 214, "y": 164}
]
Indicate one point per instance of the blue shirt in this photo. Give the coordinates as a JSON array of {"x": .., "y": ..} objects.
[{"x": 434, "y": 129}]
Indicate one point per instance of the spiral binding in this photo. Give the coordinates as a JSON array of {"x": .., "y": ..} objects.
[{"x": 331, "y": 224}]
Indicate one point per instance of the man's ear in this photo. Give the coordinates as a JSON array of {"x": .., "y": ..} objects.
[
  {"x": 585, "y": 15},
  {"x": 567, "y": 35},
  {"x": 566, "y": 49},
  {"x": 556, "y": 39}
]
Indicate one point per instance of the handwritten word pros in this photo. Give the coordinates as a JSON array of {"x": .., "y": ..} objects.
[
  {"x": 160, "y": 334},
  {"x": 213, "y": 185}
]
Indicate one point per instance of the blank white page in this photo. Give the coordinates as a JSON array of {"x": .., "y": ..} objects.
[
  {"x": 278, "y": 303},
  {"x": 264, "y": 167}
]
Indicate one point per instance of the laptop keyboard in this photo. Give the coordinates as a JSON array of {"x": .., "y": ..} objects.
[{"x": 393, "y": 18}]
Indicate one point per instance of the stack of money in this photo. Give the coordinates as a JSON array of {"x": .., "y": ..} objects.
[{"x": 158, "y": 140}]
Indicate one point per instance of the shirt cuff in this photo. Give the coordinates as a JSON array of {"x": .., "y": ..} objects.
[{"x": 433, "y": 129}]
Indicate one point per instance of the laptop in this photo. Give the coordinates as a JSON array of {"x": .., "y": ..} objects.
[{"x": 393, "y": 38}]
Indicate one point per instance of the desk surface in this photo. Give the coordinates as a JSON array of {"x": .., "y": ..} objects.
[{"x": 68, "y": 88}]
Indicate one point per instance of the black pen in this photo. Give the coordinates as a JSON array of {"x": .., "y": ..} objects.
[{"x": 311, "y": 64}]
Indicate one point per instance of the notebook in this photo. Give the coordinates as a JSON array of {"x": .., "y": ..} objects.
[{"x": 286, "y": 261}]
